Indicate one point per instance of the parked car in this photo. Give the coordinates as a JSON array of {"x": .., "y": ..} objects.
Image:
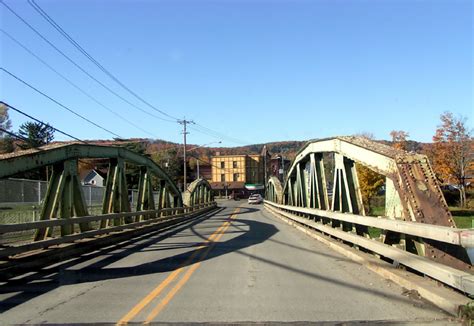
[{"x": 255, "y": 199}]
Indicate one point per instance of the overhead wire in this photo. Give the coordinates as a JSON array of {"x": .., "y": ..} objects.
[
  {"x": 199, "y": 128},
  {"x": 73, "y": 84},
  {"x": 204, "y": 130},
  {"x": 53, "y": 23},
  {"x": 78, "y": 66},
  {"x": 13, "y": 134},
  {"x": 58, "y": 103},
  {"x": 39, "y": 121}
]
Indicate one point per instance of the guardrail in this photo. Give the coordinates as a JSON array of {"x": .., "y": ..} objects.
[
  {"x": 455, "y": 278},
  {"x": 167, "y": 216}
]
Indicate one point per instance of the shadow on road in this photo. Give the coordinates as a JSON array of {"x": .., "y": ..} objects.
[
  {"x": 243, "y": 210},
  {"x": 249, "y": 232},
  {"x": 42, "y": 282}
]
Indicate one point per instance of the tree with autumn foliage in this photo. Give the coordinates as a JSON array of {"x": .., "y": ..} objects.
[
  {"x": 399, "y": 139},
  {"x": 370, "y": 182},
  {"x": 451, "y": 152}
]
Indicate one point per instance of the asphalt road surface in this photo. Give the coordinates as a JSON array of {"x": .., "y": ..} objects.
[{"x": 240, "y": 265}]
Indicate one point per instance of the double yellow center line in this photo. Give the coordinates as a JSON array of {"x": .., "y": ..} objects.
[{"x": 163, "y": 285}]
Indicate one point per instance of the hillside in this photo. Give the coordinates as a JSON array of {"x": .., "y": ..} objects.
[{"x": 287, "y": 148}]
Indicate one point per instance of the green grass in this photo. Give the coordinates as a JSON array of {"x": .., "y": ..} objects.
[
  {"x": 464, "y": 218},
  {"x": 377, "y": 211},
  {"x": 374, "y": 232}
]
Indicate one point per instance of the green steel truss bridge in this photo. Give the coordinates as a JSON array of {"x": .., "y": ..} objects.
[
  {"x": 415, "y": 235},
  {"x": 64, "y": 217},
  {"x": 417, "y": 229}
]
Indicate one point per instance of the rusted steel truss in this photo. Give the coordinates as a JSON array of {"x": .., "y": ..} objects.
[{"x": 412, "y": 192}]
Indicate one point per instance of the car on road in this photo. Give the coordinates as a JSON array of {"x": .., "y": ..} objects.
[{"x": 255, "y": 199}]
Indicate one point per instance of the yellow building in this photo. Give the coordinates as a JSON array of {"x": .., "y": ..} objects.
[{"x": 232, "y": 172}]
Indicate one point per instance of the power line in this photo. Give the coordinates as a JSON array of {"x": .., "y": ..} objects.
[
  {"x": 72, "y": 83},
  {"x": 58, "y": 103},
  {"x": 79, "y": 67},
  {"x": 13, "y": 134},
  {"x": 39, "y": 121},
  {"x": 51, "y": 21},
  {"x": 206, "y": 131},
  {"x": 219, "y": 135}
]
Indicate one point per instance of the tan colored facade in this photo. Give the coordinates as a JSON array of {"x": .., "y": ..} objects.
[{"x": 238, "y": 168}]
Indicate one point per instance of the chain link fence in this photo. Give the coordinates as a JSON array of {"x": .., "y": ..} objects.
[
  {"x": 18, "y": 192},
  {"x": 21, "y": 199}
]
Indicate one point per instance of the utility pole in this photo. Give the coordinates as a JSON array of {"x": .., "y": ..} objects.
[
  {"x": 265, "y": 164},
  {"x": 184, "y": 122}
]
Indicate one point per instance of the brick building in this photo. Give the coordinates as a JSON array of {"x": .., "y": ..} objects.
[{"x": 237, "y": 174}]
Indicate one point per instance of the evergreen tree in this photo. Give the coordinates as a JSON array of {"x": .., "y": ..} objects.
[{"x": 36, "y": 134}]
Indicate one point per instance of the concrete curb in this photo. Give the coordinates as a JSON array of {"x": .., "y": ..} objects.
[{"x": 439, "y": 295}]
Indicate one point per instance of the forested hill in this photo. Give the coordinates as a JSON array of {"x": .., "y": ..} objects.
[{"x": 287, "y": 148}]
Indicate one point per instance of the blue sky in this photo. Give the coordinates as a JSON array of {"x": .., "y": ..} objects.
[{"x": 256, "y": 71}]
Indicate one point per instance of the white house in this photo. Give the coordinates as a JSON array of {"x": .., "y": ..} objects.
[{"x": 93, "y": 178}]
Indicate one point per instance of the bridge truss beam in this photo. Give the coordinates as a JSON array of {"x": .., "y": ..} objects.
[
  {"x": 64, "y": 198},
  {"x": 412, "y": 192}
]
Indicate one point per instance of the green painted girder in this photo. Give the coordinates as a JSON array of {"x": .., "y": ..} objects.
[
  {"x": 415, "y": 194},
  {"x": 64, "y": 198},
  {"x": 116, "y": 193},
  {"x": 22, "y": 161},
  {"x": 145, "y": 200},
  {"x": 274, "y": 190},
  {"x": 199, "y": 192}
]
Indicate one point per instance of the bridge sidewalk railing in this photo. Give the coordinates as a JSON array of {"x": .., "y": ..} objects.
[
  {"x": 458, "y": 279},
  {"x": 167, "y": 216}
]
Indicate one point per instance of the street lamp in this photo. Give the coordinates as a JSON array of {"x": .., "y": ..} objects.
[{"x": 197, "y": 160}]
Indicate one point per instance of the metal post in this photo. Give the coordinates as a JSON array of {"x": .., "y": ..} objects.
[
  {"x": 39, "y": 192},
  {"x": 265, "y": 166},
  {"x": 184, "y": 122},
  {"x": 22, "y": 183},
  {"x": 90, "y": 197},
  {"x": 184, "y": 155},
  {"x": 197, "y": 169}
]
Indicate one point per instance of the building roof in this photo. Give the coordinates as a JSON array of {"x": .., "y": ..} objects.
[
  {"x": 87, "y": 175},
  {"x": 230, "y": 155}
]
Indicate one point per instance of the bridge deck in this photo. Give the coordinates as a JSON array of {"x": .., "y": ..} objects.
[{"x": 260, "y": 269}]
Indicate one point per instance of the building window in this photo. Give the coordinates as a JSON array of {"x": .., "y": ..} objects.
[
  {"x": 236, "y": 177},
  {"x": 234, "y": 164},
  {"x": 222, "y": 164},
  {"x": 222, "y": 177}
]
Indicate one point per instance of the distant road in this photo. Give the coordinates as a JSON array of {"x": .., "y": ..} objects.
[{"x": 256, "y": 268}]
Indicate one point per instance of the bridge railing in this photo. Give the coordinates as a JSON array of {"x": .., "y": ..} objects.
[
  {"x": 119, "y": 222},
  {"x": 323, "y": 221}
]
